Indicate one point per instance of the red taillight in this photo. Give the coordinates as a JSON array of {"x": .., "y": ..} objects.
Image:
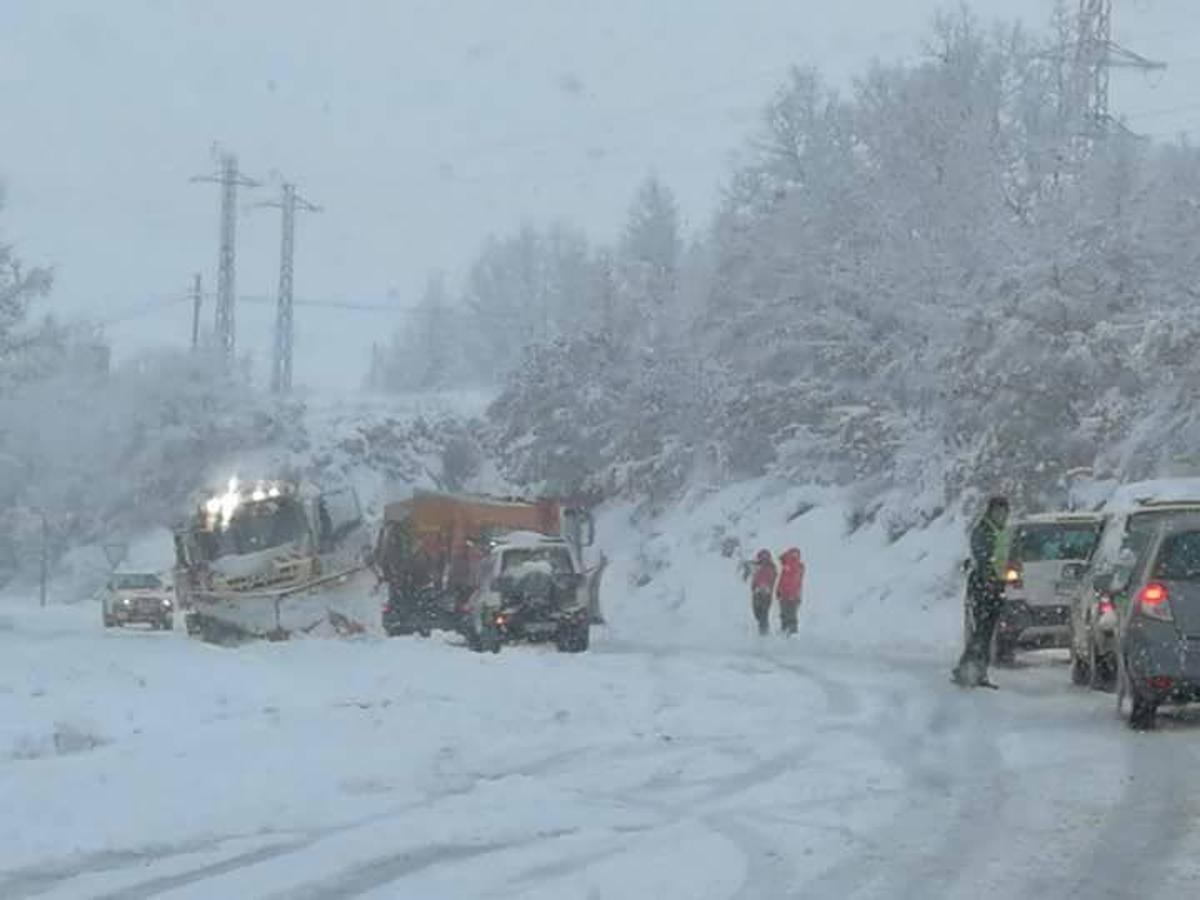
[
  {"x": 1152, "y": 602},
  {"x": 1160, "y": 683},
  {"x": 1104, "y": 607}
]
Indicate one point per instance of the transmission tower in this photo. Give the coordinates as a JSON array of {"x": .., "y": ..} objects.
[
  {"x": 1096, "y": 55},
  {"x": 289, "y": 201},
  {"x": 230, "y": 180}
]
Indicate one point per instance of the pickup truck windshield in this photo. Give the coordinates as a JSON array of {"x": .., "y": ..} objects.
[{"x": 1055, "y": 541}]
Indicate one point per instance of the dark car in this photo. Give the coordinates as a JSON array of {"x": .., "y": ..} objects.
[
  {"x": 1159, "y": 641},
  {"x": 1101, "y": 598}
]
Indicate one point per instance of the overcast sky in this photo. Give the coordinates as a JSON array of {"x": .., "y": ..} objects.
[{"x": 420, "y": 125}]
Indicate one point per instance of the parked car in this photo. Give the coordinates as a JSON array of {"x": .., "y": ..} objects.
[
  {"x": 138, "y": 597},
  {"x": 1098, "y": 602},
  {"x": 531, "y": 589},
  {"x": 1048, "y": 555},
  {"x": 1159, "y": 631}
]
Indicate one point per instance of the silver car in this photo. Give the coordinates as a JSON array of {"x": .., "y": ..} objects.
[
  {"x": 1159, "y": 642},
  {"x": 1048, "y": 555},
  {"x": 138, "y": 598}
]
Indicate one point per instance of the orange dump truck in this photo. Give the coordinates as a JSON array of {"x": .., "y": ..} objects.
[{"x": 431, "y": 545}]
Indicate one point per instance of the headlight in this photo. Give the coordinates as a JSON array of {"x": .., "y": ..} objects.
[
  {"x": 167, "y": 602},
  {"x": 125, "y": 601}
]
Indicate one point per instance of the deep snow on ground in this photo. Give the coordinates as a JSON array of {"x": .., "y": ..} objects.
[{"x": 682, "y": 757}]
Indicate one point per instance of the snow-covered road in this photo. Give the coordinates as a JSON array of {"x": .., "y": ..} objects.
[{"x": 147, "y": 765}]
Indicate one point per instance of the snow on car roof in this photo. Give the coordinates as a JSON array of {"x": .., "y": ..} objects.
[
  {"x": 527, "y": 539},
  {"x": 1160, "y": 491},
  {"x": 1065, "y": 518}
]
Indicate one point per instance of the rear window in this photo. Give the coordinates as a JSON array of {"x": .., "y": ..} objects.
[
  {"x": 1179, "y": 558},
  {"x": 558, "y": 558},
  {"x": 1054, "y": 541}
]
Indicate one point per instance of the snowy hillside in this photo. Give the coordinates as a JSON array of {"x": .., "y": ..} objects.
[{"x": 677, "y": 578}]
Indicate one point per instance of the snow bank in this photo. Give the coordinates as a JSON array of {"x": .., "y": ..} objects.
[{"x": 678, "y": 577}]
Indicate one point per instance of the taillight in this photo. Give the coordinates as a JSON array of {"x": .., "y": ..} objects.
[
  {"x": 1152, "y": 602},
  {"x": 1104, "y": 607},
  {"x": 1161, "y": 684}
]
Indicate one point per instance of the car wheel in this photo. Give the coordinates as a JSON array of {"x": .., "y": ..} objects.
[
  {"x": 1006, "y": 652},
  {"x": 1142, "y": 713},
  {"x": 1103, "y": 671},
  {"x": 574, "y": 639}
]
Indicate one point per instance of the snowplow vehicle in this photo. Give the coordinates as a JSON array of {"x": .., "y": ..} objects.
[
  {"x": 531, "y": 589},
  {"x": 434, "y": 548},
  {"x": 272, "y": 559}
]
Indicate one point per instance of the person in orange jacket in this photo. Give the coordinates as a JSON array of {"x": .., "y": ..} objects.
[
  {"x": 762, "y": 584},
  {"x": 789, "y": 587}
]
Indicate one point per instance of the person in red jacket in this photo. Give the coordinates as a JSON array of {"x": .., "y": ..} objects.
[
  {"x": 762, "y": 584},
  {"x": 791, "y": 582}
]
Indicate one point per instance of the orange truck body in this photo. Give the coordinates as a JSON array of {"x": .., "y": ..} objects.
[{"x": 453, "y": 528}]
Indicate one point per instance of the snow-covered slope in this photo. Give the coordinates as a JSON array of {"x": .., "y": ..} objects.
[{"x": 677, "y": 578}]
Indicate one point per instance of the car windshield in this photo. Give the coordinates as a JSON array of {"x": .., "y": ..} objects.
[
  {"x": 1055, "y": 541},
  {"x": 558, "y": 557},
  {"x": 256, "y": 527},
  {"x": 1179, "y": 557},
  {"x": 138, "y": 582}
]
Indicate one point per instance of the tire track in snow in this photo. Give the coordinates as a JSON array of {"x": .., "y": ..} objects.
[
  {"x": 161, "y": 884},
  {"x": 389, "y": 869},
  {"x": 37, "y": 880},
  {"x": 923, "y": 757},
  {"x": 1156, "y": 811}
]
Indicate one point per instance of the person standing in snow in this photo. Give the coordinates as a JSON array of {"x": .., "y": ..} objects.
[
  {"x": 762, "y": 585},
  {"x": 985, "y": 593},
  {"x": 791, "y": 583}
]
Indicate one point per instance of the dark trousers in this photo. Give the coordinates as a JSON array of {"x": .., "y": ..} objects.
[
  {"x": 984, "y": 598},
  {"x": 787, "y": 615},
  {"x": 761, "y": 602}
]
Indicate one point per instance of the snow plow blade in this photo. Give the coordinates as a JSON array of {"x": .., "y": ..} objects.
[{"x": 335, "y": 605}]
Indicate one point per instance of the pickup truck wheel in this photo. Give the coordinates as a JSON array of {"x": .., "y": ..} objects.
[
  {"x": 575, "y": 639},
  {"x": 474, "y": 642}
]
